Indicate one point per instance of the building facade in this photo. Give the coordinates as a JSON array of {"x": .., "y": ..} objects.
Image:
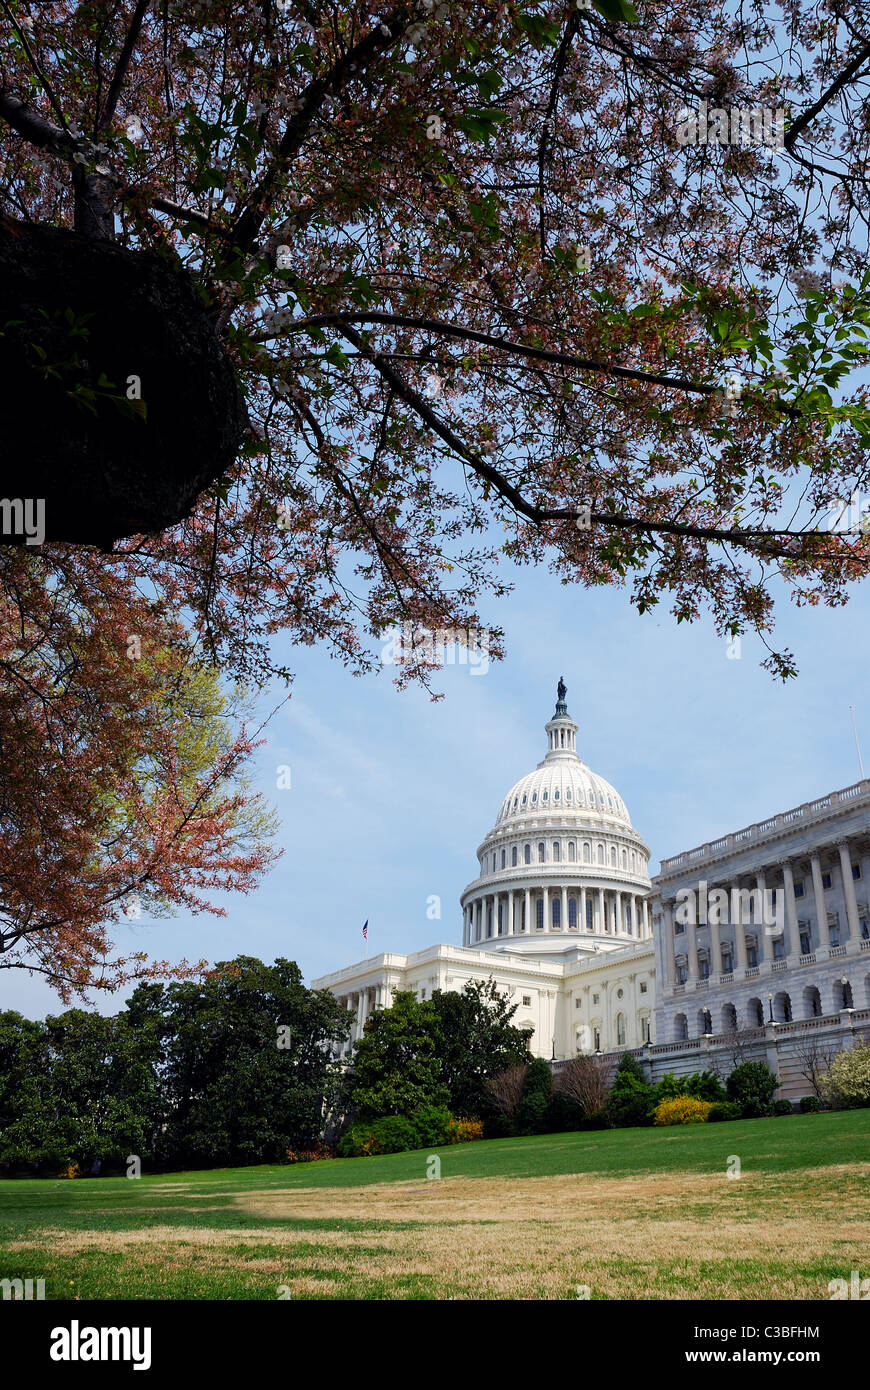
[{"x": 754, "y": 946}]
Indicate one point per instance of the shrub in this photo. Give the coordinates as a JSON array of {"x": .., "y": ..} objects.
[
  {"x": 810, "y": 1105},
  {"x": 464, "y": 1131},
  {"x": 563, "y": 1112},
  {"x": 783, "y": 1107},
  {"x": 846, "y": 1084},
  {"x": 320, "y": 1150},
  {"x": 752, "y": 1085},
  {"x": 432, "y": 1123},
  {"x": 597, "y": 1119},
  {"x": 703, "y": 1085},
  {"x": 390, "y": 1135},
  {"x": 724, "y": 1110},
  {"x": 682, "y": 1110}
]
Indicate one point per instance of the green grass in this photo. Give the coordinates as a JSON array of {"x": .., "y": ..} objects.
[{"x": 635, "y": 1209}]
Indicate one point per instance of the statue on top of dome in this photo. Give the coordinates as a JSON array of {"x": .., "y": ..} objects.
[{"x": 561, "y": 690}]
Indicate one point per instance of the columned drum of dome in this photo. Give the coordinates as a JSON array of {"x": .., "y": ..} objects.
[{"x": 562, "y": 868}]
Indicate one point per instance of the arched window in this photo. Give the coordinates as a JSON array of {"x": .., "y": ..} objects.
[
  {"x": 624, "y": 859},
  {"x": 546, "y": 794},
  {"x": 610, "y": 802},
  {"x": 587, "y": 852},
  {"x": 620, "y": 1030},
  {"x": 556, "y": 914},
  {"x": 590, "y": 924},
  {"x": 613, "y": 856},
  {"x": 601, "y": 854},
  {"x": 539, "y": 914},
  {"x": 503, "y": 858},
  {"x": 572, "y": 852},
  {"x": 557, "y": 852},
  {"x": 542, "y": 852},
  {"x": 527, "y": 854},
  {"x": 524, "y": 798},
  {"x": 556, "y": 794},
  {"x": 514, "y": 857},
  {"x": 572, "y": 914},
  {"x": 591, "y": 797},
  {"x": 534, "y": 796},
  {"x": 567, "y": 793}
]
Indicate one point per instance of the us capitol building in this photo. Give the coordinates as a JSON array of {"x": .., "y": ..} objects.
[{"x": 600, "y": 958}]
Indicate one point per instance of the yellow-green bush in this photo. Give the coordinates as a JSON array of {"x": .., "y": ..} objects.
[
  {"x": 461, "y": 1131},
  {"x": 682, "y": 1110}
]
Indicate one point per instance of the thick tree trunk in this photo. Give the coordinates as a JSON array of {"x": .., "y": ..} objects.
[{"x": 121, "y": 403}]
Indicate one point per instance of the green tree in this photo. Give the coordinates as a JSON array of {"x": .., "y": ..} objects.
[
  {"x": 248, "y": 1064},
  {"x": 90, "y": 1093},
  {"x": 751, "y": 1086},
  {"x": 475, "y": 1039},
  {"x": 396, "y": 1064},
  {"x": 632, "y": 1100}
]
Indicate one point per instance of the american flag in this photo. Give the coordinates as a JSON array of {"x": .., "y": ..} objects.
[{"x": 366, "y": 929}]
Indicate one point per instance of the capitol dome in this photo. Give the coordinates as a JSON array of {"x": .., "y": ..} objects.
[{"x": 562, "y": 868}]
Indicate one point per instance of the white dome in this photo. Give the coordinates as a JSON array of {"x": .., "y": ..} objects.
[
  {"x": 562, "y": 787},
  {"x": 562, "y": 867}
]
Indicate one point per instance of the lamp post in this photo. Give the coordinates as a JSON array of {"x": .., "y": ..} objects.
[{"x": 770, "y": 1007}]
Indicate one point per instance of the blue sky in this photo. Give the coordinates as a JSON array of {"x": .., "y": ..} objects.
[{"x": 391, "y": 794}]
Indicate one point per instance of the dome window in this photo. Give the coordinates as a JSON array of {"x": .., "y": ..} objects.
[
  {"x": 624, "y": 859},
  {"x": 534, "y": 797},
  {"x": 587, "y": 852},
  {"x": 527, "y": 854},
  {"x": 572, "y": 852},
  {"x": 613, "y": 856},
  {"x": 542, "y": 853},
  {"x": 610, "y": 802},
  {"x": 539, "y": 914},
  {"x": 591, "y": 797},
  {"x": 515, "y": 802},
  {"x": 503, "y": 858},
  {"x": 601, "y": 854},
  {"x": 524, "y": 799},
  {"x": 556, "y": 794},
  {"x": 544, "y": 797},
  {"x": 572, "y": 914},
  {"x": 514, "y": 857},
  {"x": 557, "y": 852},
  {"x": 567, "y": 793}
]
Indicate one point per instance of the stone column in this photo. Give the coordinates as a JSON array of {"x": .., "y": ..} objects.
[
  {"x": 528, "y": 910},
  {"x": 601, "y": 910},
  {"x": 618, "y": 912},
  {"x": 582, "y": 922},
  {"x": 849, "y": 890},
  {"x": 512, "y": 908},
  {"x": 791, "y": 932},
  {"x": 763, "y": 935},
  {"x": 715, "y": 949},
  {"x": 821, "y": 909},
  {"x": 740, "y": 939},
  {"x": 646, "y": 926},
  {"x": 563, "y": 908},
  {"x": 692, "y": 951},
  {"x": 669, "y": 951}
]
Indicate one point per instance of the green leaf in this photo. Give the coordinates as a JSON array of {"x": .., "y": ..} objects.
[{"x": 617, "y": 10}]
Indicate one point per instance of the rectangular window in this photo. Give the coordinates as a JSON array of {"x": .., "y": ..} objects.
[
  {"x": 806, "y": 948},
  {"x": 679, "y": 927},
  {"x": 751, "y": 955},
  {"x": 834, "y": 933},
  {"x": 643, "y": 986},
  {"x": 727, "y": 963},
  {"x": 856, "y": 870},
  {"x": 778, "y": 949},
  {"x": 704, "y": 967},
  {"x": 799, "y": 889},
  {"x": 578, "y": 1003},
  {"x": 595, "y": 999},
  {"x": 826, "y": 880},
  {"x": 527, "y": 999}
]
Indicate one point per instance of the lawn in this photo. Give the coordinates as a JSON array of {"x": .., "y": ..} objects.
[{"x": 624, "y": 1214}]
